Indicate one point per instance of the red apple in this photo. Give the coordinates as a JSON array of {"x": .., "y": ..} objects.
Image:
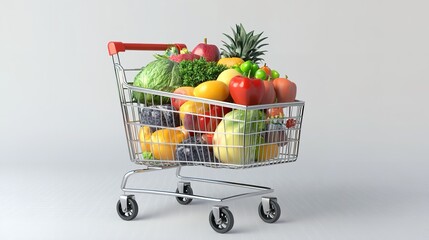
[
  {"x": 209, "y": 51},
  {"x": 190, "y": 122},
  {"x": 177, "y": 102}
]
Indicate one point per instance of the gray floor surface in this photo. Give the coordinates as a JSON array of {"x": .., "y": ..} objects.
[{"x": 319, "y": 200}]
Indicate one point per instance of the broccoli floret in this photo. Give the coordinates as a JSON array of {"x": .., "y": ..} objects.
[
  {"x": 159, "y": 115},
  {"x": 147, "y": 155}
]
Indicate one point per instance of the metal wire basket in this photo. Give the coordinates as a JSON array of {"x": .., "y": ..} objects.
[{"x": 243, "y": 142}]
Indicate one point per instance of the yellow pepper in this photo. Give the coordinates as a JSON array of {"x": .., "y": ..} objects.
[
  {"x": 164, "y": 142},
  {"x": 144, "y": 137}
]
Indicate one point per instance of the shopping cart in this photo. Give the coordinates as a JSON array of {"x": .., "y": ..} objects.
[{"x": 244, "y": 138}]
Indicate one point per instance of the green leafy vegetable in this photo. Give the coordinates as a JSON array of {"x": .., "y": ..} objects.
[
  {"x": 147, "y": 155},
  {"x": 169, "y": 52},
  {"x": 197, "y": 71},
  {"x": 162, "y": 75}
]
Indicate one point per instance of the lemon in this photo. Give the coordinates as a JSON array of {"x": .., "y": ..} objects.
[{"x": 227, "y": 75}]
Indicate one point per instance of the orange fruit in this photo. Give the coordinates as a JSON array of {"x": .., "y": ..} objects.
[
  {"x": 267, "y": 152},
  {"x": 229, "y": 62}
]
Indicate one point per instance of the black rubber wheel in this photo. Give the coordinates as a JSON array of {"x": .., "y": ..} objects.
[
  {"x": 227, "y": 221},
  {"x": 133, "y": 210},
  {"x": 273, "y": 215},
  {"x": 183, "y": 200}
]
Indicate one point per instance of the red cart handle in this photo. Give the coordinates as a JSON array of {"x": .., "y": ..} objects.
[{"x": 116, "y": 47}]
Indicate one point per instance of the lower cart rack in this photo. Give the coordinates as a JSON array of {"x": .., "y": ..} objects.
[{"x": 220, "y": 218}]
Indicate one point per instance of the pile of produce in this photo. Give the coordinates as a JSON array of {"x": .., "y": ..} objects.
[{"x": 193, "y": 131}]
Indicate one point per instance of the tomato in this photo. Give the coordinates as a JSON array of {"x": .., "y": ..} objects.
[
  {"x": 260, "y": 74},
  {"x": 274, "y": 74},
  {"x": 266, "y": 69},
  {"x": 246, "y": 91},
  {"x": 290, "y": 123},
  {"x": 275, "y": 112}
]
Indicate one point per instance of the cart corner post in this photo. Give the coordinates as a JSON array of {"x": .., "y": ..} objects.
[{"x": 115, "y": 47}]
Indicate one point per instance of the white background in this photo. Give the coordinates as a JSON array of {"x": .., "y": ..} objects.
[{"x": 361, "y": 66}]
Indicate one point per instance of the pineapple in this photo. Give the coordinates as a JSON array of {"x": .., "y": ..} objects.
[{"x": 244, "y": 45}]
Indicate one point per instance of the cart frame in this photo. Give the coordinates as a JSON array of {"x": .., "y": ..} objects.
[{"x": 221, "y": 218}]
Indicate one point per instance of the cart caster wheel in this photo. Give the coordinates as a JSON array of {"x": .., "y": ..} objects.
[
  {"x": 221, "y": 219},
  {"x": 186, "y": 190},
  {"x": 131, "y": 210},
  {"x": 269, "y": 210}
]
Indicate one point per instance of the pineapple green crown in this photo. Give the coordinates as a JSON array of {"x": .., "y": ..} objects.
[{"x": 244, "y": 45}]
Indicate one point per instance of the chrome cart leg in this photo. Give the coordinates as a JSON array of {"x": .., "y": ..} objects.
[
  {"x": 181, "y": 186},
  {"x": 187, "y": 192},
  {"x": 123, "y": 199},
  {"x": 266, "y": 203},
  {"x": 128, "y": 174},
  {"x": 216, "y": 213},
  {"x": 184, "y": 188}
]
